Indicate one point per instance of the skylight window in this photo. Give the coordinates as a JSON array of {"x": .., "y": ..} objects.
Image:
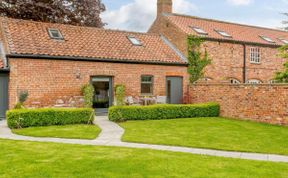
[
  {"x": 134, "y": 41},
  {"x": 55, "y": 34},
  {"x": 283, "y": 40},
  {"x": 267, "y": 39},
  {"x": 199, "y": 30},
  {"x": 223, "y": 33}
]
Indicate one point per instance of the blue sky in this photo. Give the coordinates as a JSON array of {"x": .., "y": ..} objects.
[{"x": 138, "y": 15}]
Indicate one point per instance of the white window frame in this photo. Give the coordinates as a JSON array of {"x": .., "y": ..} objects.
[
  {"x": 285, "y": 41},
  {"x": 55, "y": 30},
  {"x": 269, "y": 40},
  {"x": 151, "y": 83},
  {"x": 135, "y": 41},
  {"x": 255, "y": 55},
  {"x": 223, "y": 33},
  {"x": 254, "y": 81},
  {"x": 199, "y": 30}
]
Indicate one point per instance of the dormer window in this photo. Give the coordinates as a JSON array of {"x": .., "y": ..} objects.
[
  {"x": 55, "y": 34},
  {"x": 223, "y": 33},
  {"x": 200, "y": 31},
  {"x": 267, "y": 39},
  {"x": 134, "y": 41},
  {"x": 283, "y": 40}
]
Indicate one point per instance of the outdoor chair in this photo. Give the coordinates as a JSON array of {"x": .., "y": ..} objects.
[
  {"x": 132, "y": 101},
  {"x": 161, "y": 99}
]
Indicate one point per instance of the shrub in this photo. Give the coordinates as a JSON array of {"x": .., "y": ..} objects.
[
  {"x": 19, "y": 106},
  {"x": 23, "y": 118},
  {"x": 120, "y": 95},
  {"x": 23, "y": 95},
  {"x": 166, "y": 111},
  {"x": 88, "y": 93}
]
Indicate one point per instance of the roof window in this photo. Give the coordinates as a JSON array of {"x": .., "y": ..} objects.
[
  {"x": 223, "y": 33},
  {"x": 283, "y": 40},
  {"x": 134, "y": 41},
  {"x": 55, "y": 34},
  {"x": 199, "y": 30},
  {"x": 267, "y": 39}
]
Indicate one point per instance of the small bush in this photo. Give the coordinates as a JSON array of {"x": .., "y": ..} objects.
[
  {"x": 88, "y": 93},
  {"x": 23, "y": 95},
  {"x": 23, "y": 118},
  {"x": 120, "y": 95},
  {"x": 156, "y": 112},
  {"x": 19, "y": 106}
]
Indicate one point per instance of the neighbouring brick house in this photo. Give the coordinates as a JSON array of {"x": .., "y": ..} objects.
[
  {"x": 240, "y": 53},
  {"x": 53, "y": 61}
]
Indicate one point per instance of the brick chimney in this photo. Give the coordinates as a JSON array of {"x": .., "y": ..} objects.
[{"x": 164, "y": 6}]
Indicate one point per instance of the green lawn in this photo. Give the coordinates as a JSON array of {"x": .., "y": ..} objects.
[
  {"x": 32, "y": 159},
  {"x": 214, "y": 133},
  {"x": 67, "y": 131}
]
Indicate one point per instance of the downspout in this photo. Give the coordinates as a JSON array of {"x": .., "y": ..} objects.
[
  {"x": 244, "y": 63},
  {"x": 3, "y": 56}
]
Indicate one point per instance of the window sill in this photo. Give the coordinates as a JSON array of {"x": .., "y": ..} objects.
[{"x": 257, "y": 63}]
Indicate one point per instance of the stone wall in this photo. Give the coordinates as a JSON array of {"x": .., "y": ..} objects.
[{"x": 263, "y": 103}]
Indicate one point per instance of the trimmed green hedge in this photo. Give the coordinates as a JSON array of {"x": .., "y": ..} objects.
[
  {"x": 166, "y": 111},
  {"x": 45, "y": 117}
]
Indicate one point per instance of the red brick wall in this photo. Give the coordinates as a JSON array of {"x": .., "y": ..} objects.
[
  {"x": 1, "y": 63},
  {"x": 164, "y": 6},
  {"x": 228, "y": 62},
  {"x": 228, "y": 58},
  {"x": 171, "y": 32},
  {"x": 263, "y": 103},
  {"x": 50, "y": 80}
]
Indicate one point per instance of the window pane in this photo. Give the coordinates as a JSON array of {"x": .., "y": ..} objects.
[
  {"x": 255, "y": 55},
  {"x": 146, "y": 88},
  {"x": 199, "y": 30},
  {"x": 134, "y": 41},
  {"x": 146, "y": 79},
  {"x": 146, "y": 84},
  {"x": 55, "y": 34}
]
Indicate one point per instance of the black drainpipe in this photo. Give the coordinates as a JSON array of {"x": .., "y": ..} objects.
[{"x": 244, "y": 64}]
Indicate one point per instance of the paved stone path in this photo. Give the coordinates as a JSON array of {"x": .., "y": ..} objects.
[{"x": 111, "y": 136}]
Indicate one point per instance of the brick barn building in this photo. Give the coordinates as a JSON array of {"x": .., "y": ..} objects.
[{"x": 53, "y": 61}]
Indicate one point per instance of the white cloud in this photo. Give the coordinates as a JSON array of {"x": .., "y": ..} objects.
[
  {"x": 139, "y": 14},
  {"x": 240, "y": 2},
  {"x": 285, "y": 1}
]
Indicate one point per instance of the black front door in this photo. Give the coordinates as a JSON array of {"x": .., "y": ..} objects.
[
  {"x": 174, "y": 90},
  {"x": 103, "y": 92},
  {"x": 3, "y": 95}
]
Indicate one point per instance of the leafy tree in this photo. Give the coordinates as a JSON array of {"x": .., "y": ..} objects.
[
  {"x": 75, "y": 12},
  {"x": 197, "y": 61},
  {"x": 282, "y": 77}
]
